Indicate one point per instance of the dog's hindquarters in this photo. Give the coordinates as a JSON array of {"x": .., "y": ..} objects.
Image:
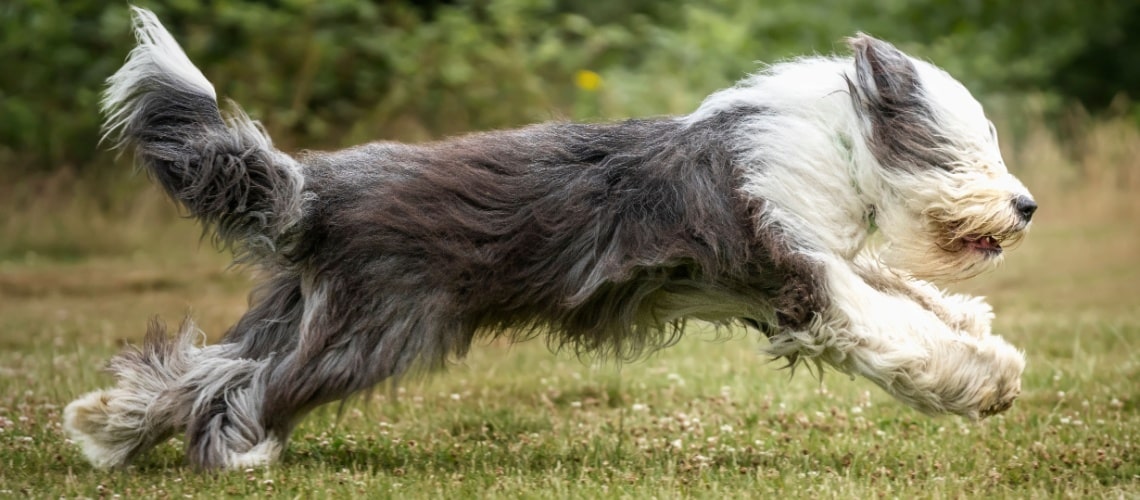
[{"x": 226, "y": 173}]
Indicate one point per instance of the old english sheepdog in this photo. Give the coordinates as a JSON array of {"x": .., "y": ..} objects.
[{"x": 816, "y": 201}]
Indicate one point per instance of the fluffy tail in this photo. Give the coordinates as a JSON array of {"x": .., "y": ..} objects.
[{"x": 224, "y": 170}]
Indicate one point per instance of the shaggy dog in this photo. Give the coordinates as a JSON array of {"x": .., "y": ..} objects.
[{"x": 759, "y": 208}]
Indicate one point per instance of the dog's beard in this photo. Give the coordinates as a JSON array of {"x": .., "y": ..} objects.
[
  {"x": 929, "y": 260},
  {"x": 946, "y": 226},
  {"x": 955, "y": 242}
]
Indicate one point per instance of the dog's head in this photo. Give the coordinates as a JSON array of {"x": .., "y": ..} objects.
[{"x": 947, "y": 205}]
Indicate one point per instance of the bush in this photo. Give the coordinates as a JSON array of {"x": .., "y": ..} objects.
[{"x": 326, "y": 73}]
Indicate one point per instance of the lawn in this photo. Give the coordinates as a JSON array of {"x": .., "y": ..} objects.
[{"x": 710, "y": 417}]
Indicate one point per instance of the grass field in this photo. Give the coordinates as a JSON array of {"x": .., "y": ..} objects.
[{"x": 709, "y": 417}]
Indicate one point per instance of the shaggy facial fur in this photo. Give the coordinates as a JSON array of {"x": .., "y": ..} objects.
[{"x": 758, "y": 208}]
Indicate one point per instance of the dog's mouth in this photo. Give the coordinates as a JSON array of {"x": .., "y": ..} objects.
[
  {"x": 987, "y": 244},
  {"x": 984, "y": 243}
]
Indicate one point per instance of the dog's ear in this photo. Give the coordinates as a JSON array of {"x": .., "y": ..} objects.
[
  {"x": 884, "y": 75},
  {"x": 886, "y": 92}
]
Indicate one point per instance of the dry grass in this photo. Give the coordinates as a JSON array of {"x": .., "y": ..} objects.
[{"x": 79, "y": 277}]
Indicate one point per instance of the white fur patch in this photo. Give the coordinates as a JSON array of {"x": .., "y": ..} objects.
[
  {"x": 908, "y": 350},
  {"x": 98, "y": 426},
  {"x": 156, "y": 55},
  {"x": 261, "y": 455}
]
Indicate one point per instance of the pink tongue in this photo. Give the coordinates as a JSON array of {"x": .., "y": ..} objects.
[{"x": 986, "y": 242}]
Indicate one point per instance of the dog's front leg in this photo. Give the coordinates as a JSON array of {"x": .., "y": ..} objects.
[
  {"x": 905, "y": 348},
  {"x": 964, "y": 313}
]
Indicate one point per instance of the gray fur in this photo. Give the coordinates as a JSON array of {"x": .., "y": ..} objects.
[
  {"x": 224, "y": 416},
  {"x": 606, "y": 237}
]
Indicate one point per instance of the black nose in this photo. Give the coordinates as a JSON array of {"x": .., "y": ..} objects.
[{"x": 1025, "y": 207}]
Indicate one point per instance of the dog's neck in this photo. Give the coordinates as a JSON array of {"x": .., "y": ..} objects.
[{"x": 811, "y": 162}]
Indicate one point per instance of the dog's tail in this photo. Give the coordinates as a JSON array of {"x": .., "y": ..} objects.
[{"x": 223, "y": 170}]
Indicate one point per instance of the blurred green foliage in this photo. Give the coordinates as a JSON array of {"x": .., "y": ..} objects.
[{"x": 327, "y": 73}]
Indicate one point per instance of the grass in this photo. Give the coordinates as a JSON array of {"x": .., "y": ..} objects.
[{"x": 710, "y": 418}]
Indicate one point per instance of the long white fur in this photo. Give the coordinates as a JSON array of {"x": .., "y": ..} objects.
[
  {"x": 111, "y": 424},
  {"x": 816, "y": 138},
  {"x": 157, "y": 54}
]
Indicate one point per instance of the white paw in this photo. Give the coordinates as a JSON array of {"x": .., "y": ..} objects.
[
  {"x": 977, "y": 380},
  {"x": 106, "y": 426},
  {"x": 261, "y": 455}
]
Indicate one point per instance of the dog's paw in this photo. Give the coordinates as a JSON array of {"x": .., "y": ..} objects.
[
  {"x": 106, "y": 427},
  {"x": 262, "y": 454},
  {"x": 980, "y": 379},
  {"x": 1004, "y": 385},
  {"x": 973, "y": 378}
]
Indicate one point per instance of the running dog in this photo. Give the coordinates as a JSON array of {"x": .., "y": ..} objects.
[{"x": 816, "y": 201}]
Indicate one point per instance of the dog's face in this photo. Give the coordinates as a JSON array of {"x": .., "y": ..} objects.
[{"x": 949, "y": 205}]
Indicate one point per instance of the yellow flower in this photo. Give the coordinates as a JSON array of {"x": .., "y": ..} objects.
[{"x": 587, "y": 80}]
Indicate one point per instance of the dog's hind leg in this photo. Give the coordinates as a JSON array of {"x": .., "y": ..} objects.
[
  {"x": 224, "y": 428},
  {"x": 224, "y": 395},
  {"x": 342, "y": 348},
  {"x": 171, "y": 383},
  {"x": 145, "y": 407}
]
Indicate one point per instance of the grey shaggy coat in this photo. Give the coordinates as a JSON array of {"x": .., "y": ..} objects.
[
  {"x": 597, "y": 235},
  {"x": 605, "y": 237}
]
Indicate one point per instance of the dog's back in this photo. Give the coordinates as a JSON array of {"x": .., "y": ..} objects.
[{"x": 583, "y": 230}]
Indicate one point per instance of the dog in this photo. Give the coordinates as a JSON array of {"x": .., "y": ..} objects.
[{"x": 817, "y": 201}]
